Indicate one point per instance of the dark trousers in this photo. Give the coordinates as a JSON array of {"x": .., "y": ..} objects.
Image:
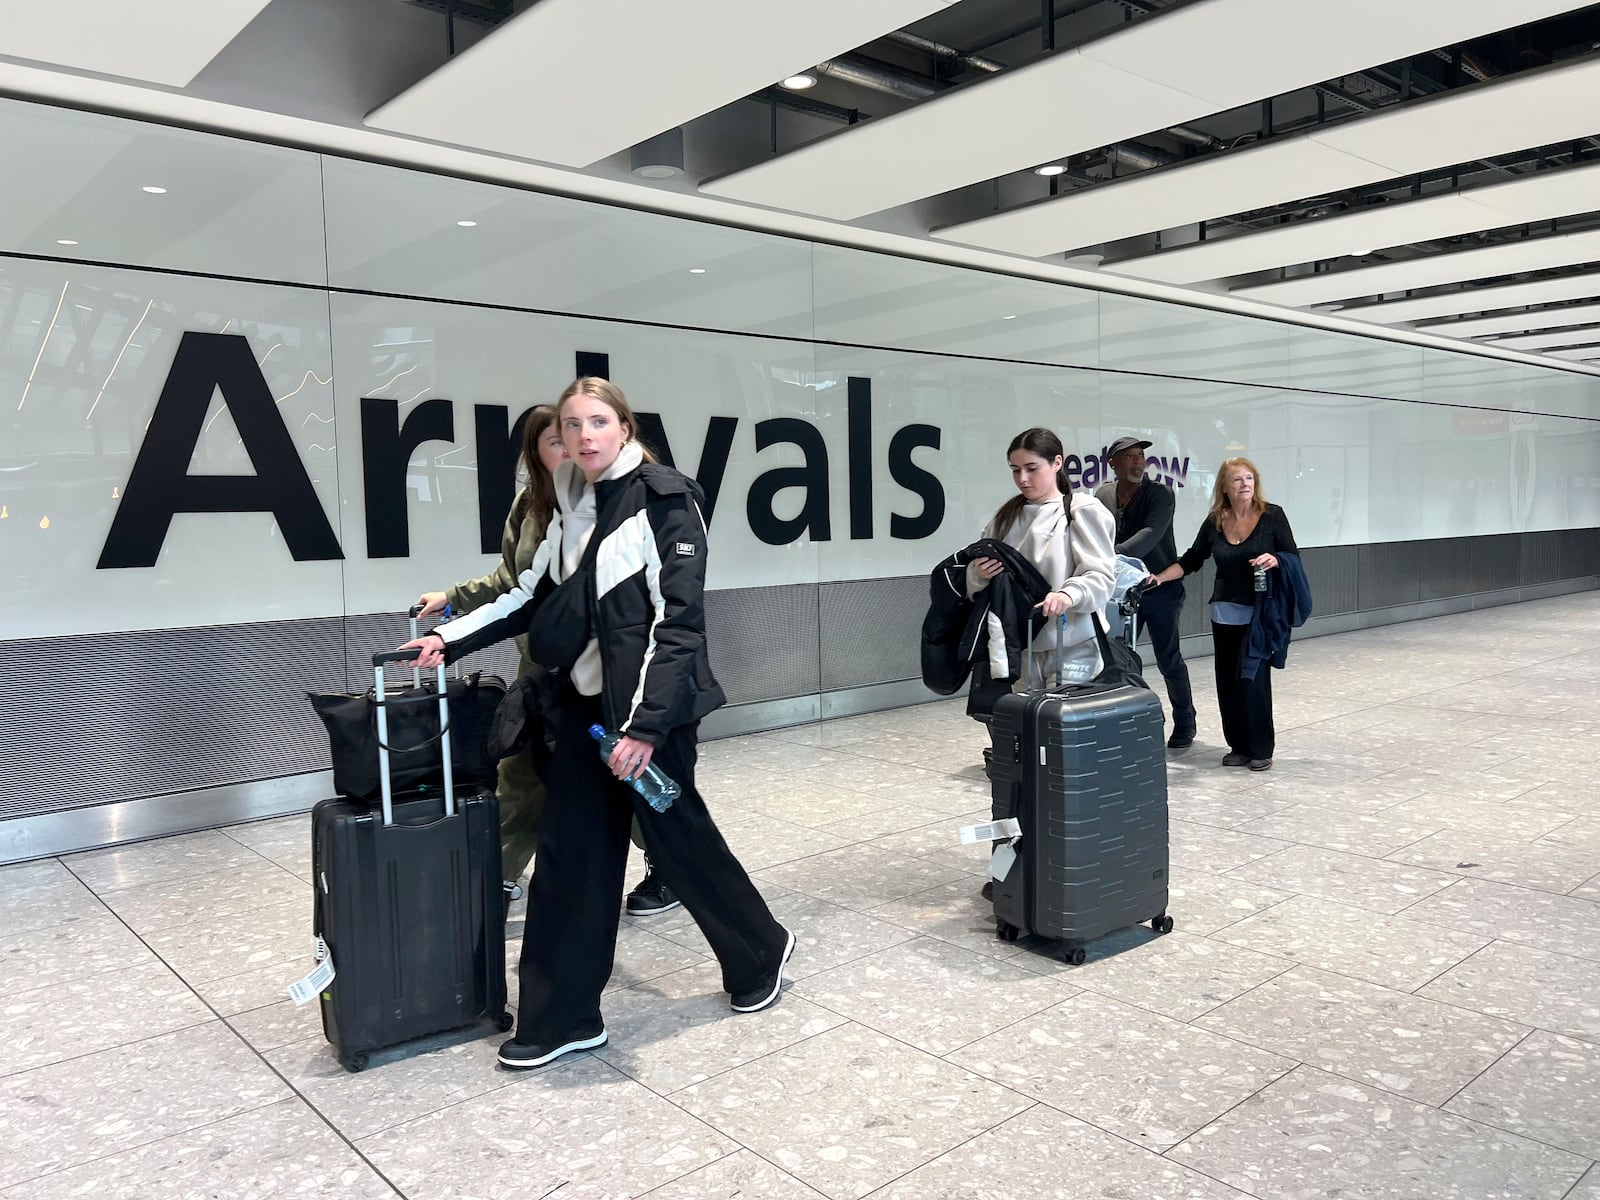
[
  {"x": 1246, "y": 704},
  {"x": 1159, "y": 611},
  {"x": 570, "y": 935}
]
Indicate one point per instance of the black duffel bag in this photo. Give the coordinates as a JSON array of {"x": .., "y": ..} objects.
[{"x": 414, "y": 756}]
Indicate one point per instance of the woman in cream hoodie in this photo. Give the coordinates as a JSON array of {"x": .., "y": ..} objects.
[{"x": 1071, "y": 539}]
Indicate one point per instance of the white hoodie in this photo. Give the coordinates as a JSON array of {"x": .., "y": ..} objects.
[{"x": 575, "y": 498}]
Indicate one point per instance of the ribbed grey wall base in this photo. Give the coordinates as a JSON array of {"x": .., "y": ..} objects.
[{"x": 137, "y": 749}]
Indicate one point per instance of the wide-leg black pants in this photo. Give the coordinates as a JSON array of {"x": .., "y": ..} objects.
[
  {"x": 574, "y": 897},
  {"x": 1246, "y": 704}
]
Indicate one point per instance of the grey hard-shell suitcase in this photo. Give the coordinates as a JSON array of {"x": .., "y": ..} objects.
[
  {"x": 1083, "y": 771},
  {"x": 410, "y": 906}
]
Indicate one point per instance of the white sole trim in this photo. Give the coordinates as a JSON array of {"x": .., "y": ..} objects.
[
  {"x": 652, "y": 912},
  {"x": 766, "y": 1002},
  {"x": 522, "y": 1064}
]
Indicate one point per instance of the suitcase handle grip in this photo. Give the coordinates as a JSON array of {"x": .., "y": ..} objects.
[{"x": 393, "y": 656}]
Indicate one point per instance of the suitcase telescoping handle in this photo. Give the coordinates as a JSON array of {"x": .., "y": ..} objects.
[
  {"x": 382, "y": 705},
  {"x": 413, "y": 613},
  {"x": 1061, "y": 626}
]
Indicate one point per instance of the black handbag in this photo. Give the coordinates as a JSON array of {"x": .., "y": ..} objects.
[
  {"x": 414, "y": 736},
  {"x": 1120, "y": 664}
]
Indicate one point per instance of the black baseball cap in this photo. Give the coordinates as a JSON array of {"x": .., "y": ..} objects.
[{"x": 1126, "y": 443}]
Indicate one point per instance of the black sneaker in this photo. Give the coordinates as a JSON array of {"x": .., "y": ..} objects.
[
  {"x": 522, "y": 1056},
  {"x": 766, "y": 995},
  {"x": 1181, "y": 739},
  {"x": 512, "y": 891},
  {"x": 651, "y": 896},
  {"x": 1235, "y": 760}
]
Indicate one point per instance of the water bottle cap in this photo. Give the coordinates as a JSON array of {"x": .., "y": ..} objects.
[{"x": 597, "y": 732}]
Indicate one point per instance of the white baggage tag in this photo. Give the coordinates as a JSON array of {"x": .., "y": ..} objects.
[
  {"x": 304, "y": 991},
  {"x": 990, "y": 831},
  {"x": 1001, "y": 861}
]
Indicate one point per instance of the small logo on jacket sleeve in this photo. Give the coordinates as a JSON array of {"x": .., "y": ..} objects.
[{"x": 686, "y": 549}]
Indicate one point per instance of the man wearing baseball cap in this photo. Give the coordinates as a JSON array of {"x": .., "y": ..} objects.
[{"x": 1144, "y": 510}]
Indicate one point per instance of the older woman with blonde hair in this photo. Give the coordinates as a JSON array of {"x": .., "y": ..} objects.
[{"x": 1243, "y": 535}]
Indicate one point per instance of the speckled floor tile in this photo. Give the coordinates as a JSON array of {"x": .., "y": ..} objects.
[
  {"x": 1396, "y": 1041},
  {"x": 1223, "y": 809},
  {"x": 678, "y": 1030},
  {"x": 741, "y": 1176},
  {"x": 760, "y": 841},
  {"x": 859, "y": 877},
  {"x": 1205, "y": 848},
  {"x": 278, "y": 1024},
  {"x": 581, "y": 1130},
  {"x": 210, "y": 897},
  {"x": 1453, "y": 779},
  {"x": 1143, "y": 1077},
  {"x": 1374, "y": 834},
  {"x": 110, "y": 1009},
  {"x": 1315, "y": 1136},
  {"x": 1548, "y": 1089},
  {"x": 850, "y": 1110},
  {"x": 642, "y": 955},
  {"x": 1478, "y": 855},
  {"x": 827, "y": 935},
  {"x": 1385, "y": 887},
  {"x": 1583, "y": 834},
  {"x": 940, "y": 842},
  {"x": 933, "y": 995},
  {"x": 1508, "y": 818},
  {"x": 808, "y": 801},
  {"x": 1200, "y": 902},
  {"x": 402, "y": 1082},
  {"x": 1512, "y": 914},
  {"x": 1395, "y": 952},
  {"x": 1588, "y": 890},
  {"x": 954, "y": 912},
  {"x": 1048, "y": 1155},
  {"x": 86, "y": 1108},
  {"x": 1588, "y": 1188},
  {"x": 254, "y": 989},
  {"x": 1178, "y": 975},
  {"x": 54, "y": 954},
  {"x": 900, "y": 782},
  {"x": 285, "y": 841},
  {"x": 280, "y": 1150},
  {"x": 212, "y": 948},
  {"x": 42, "y": 894},
  {"x": 153, "y": 862}
]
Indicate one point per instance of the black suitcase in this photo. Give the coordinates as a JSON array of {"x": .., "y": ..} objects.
[
  {"x": 410, "y": 905},
  {"x": 1083, "y": 771}
]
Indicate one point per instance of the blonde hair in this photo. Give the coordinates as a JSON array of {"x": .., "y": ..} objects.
[
  {"x": 1219, "y": 491},
  {"x": 611, "y": 395}
]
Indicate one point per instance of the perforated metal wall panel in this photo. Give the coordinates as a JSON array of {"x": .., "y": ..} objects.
[
  {"x": 763, "y": 641},
  {"x": 1541, "y": 557},
  {"x": 104, "y": 717},
  {"x": 1196, "y": 599},
  {"x": 1386, "y": 576},
  {"x": 1492, "y": 562},
  {"x": 1332, "y": 572},
  {"x": 871, "y": 630},
  {"x": 1580, "y": 553}
]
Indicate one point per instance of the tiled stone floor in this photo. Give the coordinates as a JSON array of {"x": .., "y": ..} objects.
[{"x": 1384, "y": 982}]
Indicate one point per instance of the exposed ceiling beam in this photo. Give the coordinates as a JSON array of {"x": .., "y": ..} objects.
[
  {"x": 1544, "y": 318},
  {"x": 1484, "y": 299}
]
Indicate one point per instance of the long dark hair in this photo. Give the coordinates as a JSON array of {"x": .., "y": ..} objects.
[
  {"x": 541, "y": 488},
  {"x": 1047, "y": 446}
]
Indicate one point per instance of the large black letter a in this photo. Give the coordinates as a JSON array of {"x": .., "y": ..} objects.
[{"x": 160, "y": 485}]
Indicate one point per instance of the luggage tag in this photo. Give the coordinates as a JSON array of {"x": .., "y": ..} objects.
[
  {"x": 304, "y": 991},
  {"x": 990, "y": 831},
  {"x": 1001, "y": 862}
]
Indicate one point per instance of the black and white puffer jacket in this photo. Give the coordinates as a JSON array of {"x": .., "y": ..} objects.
[{"x": 647, "y": 605}]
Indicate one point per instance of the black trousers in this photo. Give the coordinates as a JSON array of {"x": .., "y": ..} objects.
[
  {"x": 570, "y": 935},
  {"x": 1159, "y": 611},
  {"x": 1246, "y": 704}
]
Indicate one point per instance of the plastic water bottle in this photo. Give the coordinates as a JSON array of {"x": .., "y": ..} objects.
[{"x": 658, "y": 790}]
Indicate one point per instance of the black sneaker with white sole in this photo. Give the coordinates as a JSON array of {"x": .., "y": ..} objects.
[
  {"x": 522, "y": 1056},
  {"x": 651, "y": 896},
  {"x": 766, "y": 995}
]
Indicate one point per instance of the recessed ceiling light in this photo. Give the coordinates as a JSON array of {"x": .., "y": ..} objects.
[
  {"x": 1011, "y": 317},
  {"x": 697, "y": 270},
  {"x": 1050, "y": 169},
  {"x": 154, "y": 190},
  {"x": 65, "y": 242},
  {"x": 801, "y": 81},
  {"x": 467, "y": 224}
]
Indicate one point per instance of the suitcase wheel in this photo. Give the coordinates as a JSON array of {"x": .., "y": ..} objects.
[
  {"x": 505, "y": 1021},
  {"x": 1006, "y": 931},
  {"x": 1073, "y": 956},
  {"x": 1161, "y": 924},
  {"x": 354, "y": 1063}
]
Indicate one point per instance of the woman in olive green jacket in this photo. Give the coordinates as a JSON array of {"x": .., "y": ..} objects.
[{"x": 520, "y": 791}]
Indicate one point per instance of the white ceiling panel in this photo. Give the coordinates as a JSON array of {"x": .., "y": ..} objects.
[
  {"x": 1545, "y": 105},
  {"x": 160, "y": 41},
  {"x": 1142, "y": 77},
  {"x": 1510, "y": 295},
  {"x": 552, "y": 83},
  {"x": 1542, "y": 341},
  {"x": 1481, "y": 262},
  {"x": 1581, "y": 354},
  {"x": 1546, "y": 318},
  {"x": 1538, "y": 196}
]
